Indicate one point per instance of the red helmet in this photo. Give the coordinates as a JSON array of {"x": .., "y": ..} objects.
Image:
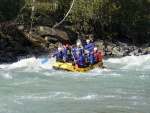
[
  {"x": 92, "y": 53},
  {"x": 67, "y": 45}
]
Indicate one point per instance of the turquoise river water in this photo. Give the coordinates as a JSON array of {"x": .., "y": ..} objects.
[{"x": 28, "y": 86}]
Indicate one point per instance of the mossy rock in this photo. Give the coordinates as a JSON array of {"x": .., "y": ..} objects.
[{"x": 58, "y": 44}]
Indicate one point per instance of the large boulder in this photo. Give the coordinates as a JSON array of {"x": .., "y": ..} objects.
[
  {"x": 43, "y": 30},
  {"x": 100, "y": 44},
  {"x": 55, "y": 35},
  {"x": 116, "y": 52}
]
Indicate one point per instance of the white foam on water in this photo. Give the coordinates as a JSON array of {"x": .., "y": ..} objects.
[
  {"x": 32, "y": 63},
  {"x": 136, "y": 97},
  {"x": 3, "y": 66},
  {"x": 120, "y": 91},
  {"x": 47, "y": 74},
  {"x": 17, "y": 102},
  {"x": 21, "y": 83},
  {"x": 110, "y": 97},
  {"x": 115, "y": 75},
  {"x": 6, "y": 75},
  {"x": 54, "y": 95},
  {"x": 87, "y": 97},
  {"x": 21, "y": 63},
  {"x": 94, "y": 72},
  {"x": 53, "y": 73},
  {"x": 131, "y": 62},
  {"x": 32, "y": 69},
  {"x": 116, "y": 106},
  {"x": 144, "y": 76},
  {"x": 43, "y": 96},
  {"x": 30, "y": 97}
]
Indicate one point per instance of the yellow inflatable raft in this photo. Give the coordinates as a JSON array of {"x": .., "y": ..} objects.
[{"x": 70, "y": 67}]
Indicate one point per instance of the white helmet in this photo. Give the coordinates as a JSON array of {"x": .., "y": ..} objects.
[
  {"x": 87, "y": 40},
  {"x": 59, "y": 49},
  {"x": 95, "y": 48},
  {"x": 78, "y": 44}
]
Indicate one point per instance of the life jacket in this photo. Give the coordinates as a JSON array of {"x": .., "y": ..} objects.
[
  {"x": 80, "y": 60},
  {"x": 68, "y": 51},
  {"x": 98, "y": 54},
  {"x": 59, "y": 57}
]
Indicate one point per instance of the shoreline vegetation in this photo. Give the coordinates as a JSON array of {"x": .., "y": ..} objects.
[{"x": 117, "y": 28}]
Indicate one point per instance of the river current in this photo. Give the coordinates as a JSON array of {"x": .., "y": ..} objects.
[{"x": 28, "y": 86}]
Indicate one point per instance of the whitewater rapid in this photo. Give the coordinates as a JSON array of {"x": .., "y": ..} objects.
[
  {"x": 29, "y": 86},
  {"x": 138, "y": 63},
  {"x": 128, "y": 62}
]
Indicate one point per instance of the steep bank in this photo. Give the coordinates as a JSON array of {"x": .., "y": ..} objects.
[{"x": 17, "y": 41}]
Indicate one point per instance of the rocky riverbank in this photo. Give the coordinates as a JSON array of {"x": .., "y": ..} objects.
[
  {"x": 121, "y": 49},
  {"x": 16, "y": 42}
]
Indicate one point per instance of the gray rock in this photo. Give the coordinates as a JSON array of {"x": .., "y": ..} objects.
[
  {"x": 99, "y": 43},
  {"x": 137, "y": 51},
  {"x": 131, "y": 48},
  {"x": 131, "y": 54},
  {"x": 148, "y": 49},
  {"x": 54, "y": 34},
  {"x": 145, "y": 45},
  {"x": 116, "y": 49},
  {"x": 109, "y": 47},
  {"x": 124, "y": 48},
  {"x": 21, "y": 27},
  {"x": 43, "y": 30},
  {"x": 122, "y": 44},
  {"x": 125, "y": 52},
  {"x": 148, "y": 52},
  {"x": 116, "y": 52},
  {"x": 103, "y": 53},
  {"x": 138, "y": 54},
  {"x": 108, "y": 53}
]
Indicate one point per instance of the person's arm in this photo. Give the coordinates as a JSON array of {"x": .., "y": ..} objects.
[
  {"x": 90, "y": 45},
  {"x": 82, "y": 50},
  {"x": 55, "y": 54},
  {"x": 64, "y": 52},
  {"x": 87, "y": 46},
  {"x": 73, "y": 49}
]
